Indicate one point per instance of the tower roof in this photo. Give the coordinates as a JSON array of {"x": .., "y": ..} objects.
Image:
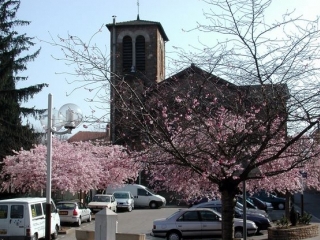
[{"x": 139, "y": 22}]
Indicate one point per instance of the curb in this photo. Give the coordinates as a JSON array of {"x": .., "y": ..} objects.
[{"x": 64, "y": 231}]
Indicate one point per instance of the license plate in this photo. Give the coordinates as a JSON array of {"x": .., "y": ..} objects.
[
  {"x": 63, "y": 213},
  {"x": 3, "y": 231}
]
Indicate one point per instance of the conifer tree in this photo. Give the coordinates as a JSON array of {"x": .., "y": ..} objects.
[{"x": 14, "y": 48}]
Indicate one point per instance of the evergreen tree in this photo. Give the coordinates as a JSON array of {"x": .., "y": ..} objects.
[{"x": 13, "y": 134}]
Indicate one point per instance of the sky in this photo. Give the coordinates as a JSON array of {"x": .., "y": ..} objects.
[{"x": 82, "y": 18}]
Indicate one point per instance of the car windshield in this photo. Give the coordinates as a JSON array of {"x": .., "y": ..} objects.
[
  {"x": 239, "y": 205},
  {"x": 172, "y": 215},
  {"x": 65, "y": 206},
  {"x": 101, "y": 199},
  {"x": 256, "y": 199},
  {"x": 121, "y": 195},
  {"x": 149, "y": 190}
]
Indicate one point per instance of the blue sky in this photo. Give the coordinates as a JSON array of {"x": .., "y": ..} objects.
[{"x": 83, "y": 18}]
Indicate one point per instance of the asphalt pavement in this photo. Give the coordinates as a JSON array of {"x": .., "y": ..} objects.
[{"x": 310, "y": 205}]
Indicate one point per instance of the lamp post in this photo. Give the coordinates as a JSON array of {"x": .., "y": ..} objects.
[
  {"x": 69, "y": 116},
  {"x": 303, "y": 175}
]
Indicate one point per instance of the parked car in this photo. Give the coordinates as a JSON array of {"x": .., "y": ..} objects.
[
  {"x": 25, "y": 218},
  {"x": 143, "y": 196},
  {"x": 196, "y": 222},
  {"x": 267, "y": 206},
  {"x": 277, "y": 202},
  {"x": 101, "y": 201},
  {"x": 73, "y": 212},
  {"x": 261, "y": 221},
  {"x": 197, "y": 200},
  {"x": 124, "y": 200},
  {"x": 251, "y": 210},
  {"x": 249, "y": 203}
]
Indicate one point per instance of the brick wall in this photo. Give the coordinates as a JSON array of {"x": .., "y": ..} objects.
[{"x": 293, "y": 233}]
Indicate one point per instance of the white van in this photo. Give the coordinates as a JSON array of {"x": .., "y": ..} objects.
[
  {"x": 24, "y": 218},
  {"x": 143, "y": 197}
]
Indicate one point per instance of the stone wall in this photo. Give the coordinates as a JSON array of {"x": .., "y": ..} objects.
[
  {"x": 293, "y": 233},
  {"x": 89, "y": 235}
]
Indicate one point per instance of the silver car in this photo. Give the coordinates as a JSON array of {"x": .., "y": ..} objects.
[
  {"x": 196, "y": 222},
  {"x": 124, "y": 200},
  {"x": 101, "y": 201},
  {"x": 73, "y": 211}
]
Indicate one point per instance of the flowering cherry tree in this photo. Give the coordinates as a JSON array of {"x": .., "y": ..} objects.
[
  {"x": 75, "y": 166},
  {"x": 197, "y": 152}
]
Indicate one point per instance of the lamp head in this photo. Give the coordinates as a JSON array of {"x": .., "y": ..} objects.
[{"x": 71, "y": 115}]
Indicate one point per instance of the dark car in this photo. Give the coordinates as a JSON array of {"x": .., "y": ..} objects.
[
  {"x": 261, "y": 204},
  {"x": 277, "y": 202},
  {"x": 197, "y": 200},
  {"x": 249, "y": 203},
  {"x": 262, "y": 222}
]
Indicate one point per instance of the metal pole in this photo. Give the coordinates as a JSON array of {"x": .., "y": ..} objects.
[
  {"x": 244, "y": 201},
  {"x": 302, "y": 203},
  {"x": 113, "y": 46},
  {"x": 49, "y": 161}
]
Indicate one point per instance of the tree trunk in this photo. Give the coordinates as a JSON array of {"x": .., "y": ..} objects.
[{"x": 228, "y": 203}]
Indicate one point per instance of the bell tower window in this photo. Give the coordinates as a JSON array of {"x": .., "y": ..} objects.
[
  {"x": 127, "y": 54},
  {"x": 140, "y": 53}
]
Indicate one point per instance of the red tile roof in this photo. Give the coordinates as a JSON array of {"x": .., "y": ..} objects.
[{"x": 83, "y": 136}]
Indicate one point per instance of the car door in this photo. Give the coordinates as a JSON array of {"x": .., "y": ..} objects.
[
  {"x": 84, "y": 211},
  {"x": 37, "y": 219},
  {"x": 189, "y": 224},
  {"x": 143, "y": 198},
  {"x": 17, "y": 215},
  {"x": 55, "y": 218},
  {"x": 113, "y": 204},
  {"x": 4, "y": 219},
  {"x": 131, "y": 200},
  {"x": 210, "y": 224}
]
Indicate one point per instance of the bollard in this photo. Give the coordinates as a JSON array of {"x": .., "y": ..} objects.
[{"x": 106, "y": 224}]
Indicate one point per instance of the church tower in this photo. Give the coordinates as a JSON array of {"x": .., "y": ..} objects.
[
  {"x": 138, "y": 46},
  {"x": 137, "y": 57}
]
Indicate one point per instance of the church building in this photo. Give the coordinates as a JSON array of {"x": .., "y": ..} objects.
[{"x": 138, "y": 58}]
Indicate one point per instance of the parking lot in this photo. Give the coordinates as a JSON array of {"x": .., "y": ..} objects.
[{"x": 140, "y": 221}]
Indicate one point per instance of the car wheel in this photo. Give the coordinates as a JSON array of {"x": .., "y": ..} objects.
[
  {"x": 238, "y": 233},
  {"x": 79, "y": 222},
  {"x": 153, "y": 205},
  {"x": 280, "y": 206},
  {"x": 173, "y": 236},
  {"x": 259, "y": 227},
  {"x": 55, "y": 234},
  {"x": 90, "y": 218}
]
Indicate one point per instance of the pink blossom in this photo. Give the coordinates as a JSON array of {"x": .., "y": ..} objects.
[{"x": 75, "y": 166}]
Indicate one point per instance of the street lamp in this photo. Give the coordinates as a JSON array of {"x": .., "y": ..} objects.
[{"x": 69, "y": 116}]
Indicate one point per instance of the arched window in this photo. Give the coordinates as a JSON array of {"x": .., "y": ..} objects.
[
  {"x": 127, "y": 54},
  {"x": 140, "y": 53}
]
